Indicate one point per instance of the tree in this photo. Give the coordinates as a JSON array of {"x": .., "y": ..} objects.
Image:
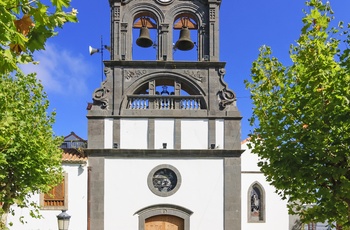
[
  {"x": 301, "y": 116},
  {"x": 30, "y": 158}
]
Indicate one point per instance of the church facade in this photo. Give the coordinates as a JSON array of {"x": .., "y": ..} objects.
[{"x": 164, "y": 134}]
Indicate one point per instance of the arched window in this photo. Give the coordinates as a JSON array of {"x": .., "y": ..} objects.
[
  {"x": 256, "y": 203},
  {"x": 145, "y": 36},
  {"x": 185, "y": 36}
]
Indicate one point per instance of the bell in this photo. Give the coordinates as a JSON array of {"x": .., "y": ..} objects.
[
  {"x": 184, "y": 43},
  {"x": 144, "y": 39}
]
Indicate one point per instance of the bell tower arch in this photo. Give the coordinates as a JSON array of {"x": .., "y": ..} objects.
[{"x": 164, "y": 131}]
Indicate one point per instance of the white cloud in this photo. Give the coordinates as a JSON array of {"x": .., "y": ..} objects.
[{"x": 60, "y": 71}]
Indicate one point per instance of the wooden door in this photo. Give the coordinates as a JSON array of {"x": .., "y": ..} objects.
[{"x": 164, "y": 222}]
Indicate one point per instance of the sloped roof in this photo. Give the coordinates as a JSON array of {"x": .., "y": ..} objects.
[
  {"x": 245, "y": 141},
  {"x": 73, "y": 136},
  {"x": 73, "y": 156}
]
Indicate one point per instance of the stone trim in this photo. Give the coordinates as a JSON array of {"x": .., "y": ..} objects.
[
  {"x": 232, "y": 193},
  {"x": 157, "y": 192},
  {"x": 262, "y": 202},
  {"x": 164, "y": 153},
  {"x": 164, "y": 209}
]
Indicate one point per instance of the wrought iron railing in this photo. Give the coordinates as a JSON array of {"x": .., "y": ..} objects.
[{"x": 168, "y": 102}]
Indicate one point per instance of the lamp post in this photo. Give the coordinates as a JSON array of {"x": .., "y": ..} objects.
[{"x": 63, "y": 220}]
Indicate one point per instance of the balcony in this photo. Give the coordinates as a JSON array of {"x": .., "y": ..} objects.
[{"x": 167, "y": 102}]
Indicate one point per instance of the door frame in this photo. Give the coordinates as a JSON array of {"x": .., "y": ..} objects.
[{"x": 164, "y": 209}]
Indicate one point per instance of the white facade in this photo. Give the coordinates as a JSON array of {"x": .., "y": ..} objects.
[
  {"x": 275, "y": 209},
  {"x": 126, "y": 186},
  {"x": 77, "y": 205},
  {"x": 194, "y": 133}
]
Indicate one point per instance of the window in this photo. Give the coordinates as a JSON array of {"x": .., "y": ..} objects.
[
  {"x": 164, "y": 180},
  {"x": 57, "y": 197},
  {"x": 256, "y": 203}
]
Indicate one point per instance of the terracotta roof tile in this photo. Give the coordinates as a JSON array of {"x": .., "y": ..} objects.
[
  {"x": 245, "y": 141},
  {"x": 73, "y": 156}
]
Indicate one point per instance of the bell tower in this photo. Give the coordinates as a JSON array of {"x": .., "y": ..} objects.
[{"x": 164, "y": 139}]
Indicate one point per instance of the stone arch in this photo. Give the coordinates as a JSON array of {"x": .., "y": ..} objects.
[
  {"x": 256, "y": 200},
  {"x": 143, "y": 7},
  {"x": 164, "y": 209},
  {"x": 137, "y": 10},
  {"x": 189, "y": 84},
  {"x": 199, "y": 16}
]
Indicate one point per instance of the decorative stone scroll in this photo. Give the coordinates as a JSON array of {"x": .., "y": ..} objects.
[
  {"x": 225, "y": 96},
  {"x": 100, "y": 97},
  {"x": 131, "y": 74},
  {"x": 196, "y": 75}
]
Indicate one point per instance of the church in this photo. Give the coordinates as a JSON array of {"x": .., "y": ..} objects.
[
  {"x": 164, "y": 135},
  {"x": 164, "y": 148}
]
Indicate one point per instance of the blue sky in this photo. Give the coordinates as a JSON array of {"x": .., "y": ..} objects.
[{"x": 70, "y": 75}]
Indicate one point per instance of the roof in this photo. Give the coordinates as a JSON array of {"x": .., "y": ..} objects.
[
  {"x": 73, "y": 136},
  {"x": 245, "y": 141},
  {"x": 73, "y": 156}
]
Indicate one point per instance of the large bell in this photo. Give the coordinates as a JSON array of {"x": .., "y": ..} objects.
[
  {"x": 184, "y": 43},
  {"x": 144, "y": 39}
]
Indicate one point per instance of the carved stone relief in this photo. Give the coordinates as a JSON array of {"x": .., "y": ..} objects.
[
  {"x": 131, "y": 74},
  {"x": 212, "y": 14},
  {"x": 226, "y": 97},
  {"x": 100, "y": 97},
  {"x": 116, "y": 13},
  {"x": 196, "y": 75}
]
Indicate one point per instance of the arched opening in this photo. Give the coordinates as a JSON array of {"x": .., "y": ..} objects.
[
  {"x": 164, "y": 222},
  {"x": 256, "y": 203},
  {"x": 166, "y": 94},
  {"x": 144, "y": 33},
  {"x": 164, "y": 217},
  {"x": 185, "y": 38}
]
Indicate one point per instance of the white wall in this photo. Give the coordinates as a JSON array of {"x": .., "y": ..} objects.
[
  {"x": 164, "y": 133},
  {"x": 126, "y": 192},
  {"x": 277, "y": 216},
  {"x": 133, "y": 133},
  {"x": 194, "y": 134},
  {"x": 219, "y": 133},
  {"x": 77, "y": 205},
  {"x": 108, "y": 133}
]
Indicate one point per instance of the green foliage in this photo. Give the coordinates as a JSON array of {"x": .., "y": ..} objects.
[
  {"x": 25, "y": 27},
  {"x": 30, "y": 158},
  {"x": 302, "y": 112}
]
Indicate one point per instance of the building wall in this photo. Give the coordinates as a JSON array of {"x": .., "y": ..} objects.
[
  {"x": 126, "y": 188},
  {"x": 276, "y": 212},
  {"x": 77, "y": 205},
  {"x": 135, "y": 133}
]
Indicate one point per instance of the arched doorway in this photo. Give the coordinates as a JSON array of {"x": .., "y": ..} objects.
[
  {"x": 164, "y": 217},
  {"x": 164, "y": 222}
]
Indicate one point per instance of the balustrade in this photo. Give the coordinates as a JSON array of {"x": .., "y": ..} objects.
[{"x": 170, "y": 102}]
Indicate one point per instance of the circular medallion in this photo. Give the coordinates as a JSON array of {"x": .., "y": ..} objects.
[{"x": 164, "y": 180}]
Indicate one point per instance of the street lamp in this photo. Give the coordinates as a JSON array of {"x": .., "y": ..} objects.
[{"x": 63, "y": 220}]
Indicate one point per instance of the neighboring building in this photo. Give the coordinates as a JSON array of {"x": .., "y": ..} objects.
[
  {"x": 262, "y": 208},
  {"x": 73, "y": 141},
  {"x": 164, "y": 135},
  {"x": 70, "y": 195}
]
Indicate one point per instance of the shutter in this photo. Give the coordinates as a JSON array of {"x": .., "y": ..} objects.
[{"x": 55, "y": 197}]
